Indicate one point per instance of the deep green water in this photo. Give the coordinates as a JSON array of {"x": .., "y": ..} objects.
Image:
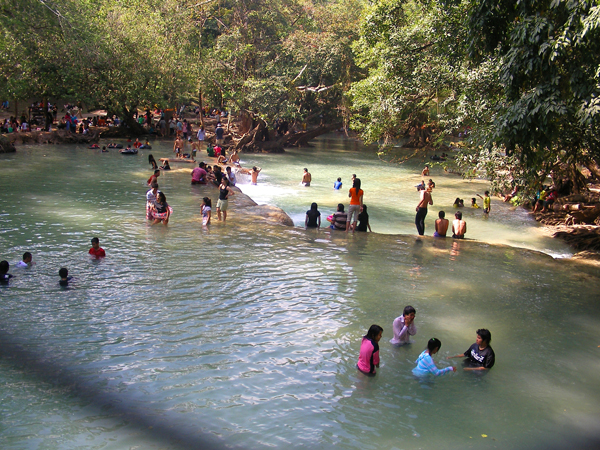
[{"x": 248, "y": 333}]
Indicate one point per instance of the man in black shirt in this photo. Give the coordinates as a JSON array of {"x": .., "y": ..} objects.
[{"x": 480, "y": 355}]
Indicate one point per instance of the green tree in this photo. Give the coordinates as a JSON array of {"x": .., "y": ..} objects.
[{"x": 547, "y": 116}]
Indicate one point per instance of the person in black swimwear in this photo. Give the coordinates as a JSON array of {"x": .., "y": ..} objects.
[
  {"x": 4, "y": 275},
  {"x": 63, "y": 273}
]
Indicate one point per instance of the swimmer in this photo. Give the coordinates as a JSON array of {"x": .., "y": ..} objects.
[
  {"x": 338, "y": 184},
  {"x": 27, "y": 260},
  {"x": 166, "y": 166},
  {"x": 456, "y": 203},
  {"x": 474, "y": 203},
  {"x": 425, "y": 364},
  {"x": 254, "y": 175},
  {"x": 104, "y": 150},
  {"x": 459, "y": 226},
  {"x": 306, "y": 178},
  {"x": 4, "y": 275},
  {"x": 425, "y": 172},
  {"x": 63, "y": 273},
  {"x": 96, "y": 250},
  {"x": 480, "y": 355},
  {"x": 441, "y": 225},
  {"x": 404, "y": 327},
  {"x": 368, "y": 358}
]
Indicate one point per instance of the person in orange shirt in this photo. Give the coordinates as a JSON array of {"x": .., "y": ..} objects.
[{"x": 356, "y": 202}]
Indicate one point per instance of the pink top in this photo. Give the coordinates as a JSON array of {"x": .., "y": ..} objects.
[{"x": 369, "y": 356}]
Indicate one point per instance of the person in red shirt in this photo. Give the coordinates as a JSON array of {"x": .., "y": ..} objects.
[
  {"x": 137, "y": 143},
  {"x": 154, "y": 177},
  {"x": 96, "y": 250}
]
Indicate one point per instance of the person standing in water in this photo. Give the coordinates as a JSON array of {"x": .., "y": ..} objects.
[
  {"x": 480, "y": 355},
  {"x": 422, "y": 210},
  {"x": 368, "y": 358},
  {"x": 356, "y": 201},
  {"x": 306, "y": 178},
  {"x": 222, "y": 204},
  {"x": 404, "y": 327},
  {"x": 425, "y": 364}
]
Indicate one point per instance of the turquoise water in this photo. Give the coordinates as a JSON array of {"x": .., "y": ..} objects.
[{"x": 247, "y": 333}]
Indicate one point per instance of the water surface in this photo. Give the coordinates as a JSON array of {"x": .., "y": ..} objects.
[{"x": 248, "y": 333}]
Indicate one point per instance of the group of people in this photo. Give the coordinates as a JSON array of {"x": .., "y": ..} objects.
[
  {"x": 95, "y": 251},
  {"x": 479, "y": 356},
  {"x": 459, "y": 226},
  {"x": 356, "y": 219}
]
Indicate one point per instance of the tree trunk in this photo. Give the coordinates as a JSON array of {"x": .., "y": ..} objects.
[
  {"x": 252, "y": 141},
  {"x": 134, "y": 128}
]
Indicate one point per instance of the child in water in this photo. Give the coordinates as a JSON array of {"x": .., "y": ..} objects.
[
  {"x": 96, "y": 250},
  {"x": 206, "y": 211},
  {"x": 63, "y": 273},
  {"x": 368, "y": 358},
  {"x": 404, "y": 327},
  {"x": 338, "y": 184},
  {"x": 425, "y": 364},
  {"x": 474, "y": 203}
]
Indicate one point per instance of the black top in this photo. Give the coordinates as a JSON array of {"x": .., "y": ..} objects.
[
  {"x": 312, "y": 218},
  {"x": 481, "y": 358},
  {"x": 5, "y": 277},
  {"x": 223, "y": 193},
  {"x": 363, "y": 220}
]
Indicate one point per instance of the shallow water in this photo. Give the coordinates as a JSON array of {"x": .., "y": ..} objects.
[{"x": 248, "y": 334}]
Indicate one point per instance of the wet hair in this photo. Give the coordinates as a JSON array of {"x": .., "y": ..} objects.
[
  {"x": 254, "y": 168},
  {"x": 356, "y": 184},
  {"x": 162, "y": 198},
  {"x": 340, "y": 207},
  {"x": 485, "y": 335},
  {"x": 26, "y": 255},
  {"x": 339, "y": 179},
  {"x": 156, "y": 171},
  {"x": 487, "y": 192},
  {"x": 225, "y": 181},
  {"x": 207, "y": 201},
  {"x": 313, "y": 206},
  {"x": 458, "y": 215},
  {"x": 457, "y": 201},
  {"x": 408, "y": 310},
  {"x": 433, "y": 343},
  {"x": 441, "y": 214},
  {"x": 473, "y": 200},
  {"x": 373, "y": 332},
  {"x": 305, "y": 169},
  {"x": 4, "y": 266},
  {"x": 63, "y": 272},
  {"x": 95, "y": 240}
]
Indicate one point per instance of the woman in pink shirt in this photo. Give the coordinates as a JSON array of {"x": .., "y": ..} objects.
[{"x": 368, "y": 358}]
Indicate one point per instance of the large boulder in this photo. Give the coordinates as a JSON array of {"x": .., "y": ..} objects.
[{"x": 6, "y": 146}]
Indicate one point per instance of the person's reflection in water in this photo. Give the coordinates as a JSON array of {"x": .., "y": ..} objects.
[{"x": 455, "y": 251}]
